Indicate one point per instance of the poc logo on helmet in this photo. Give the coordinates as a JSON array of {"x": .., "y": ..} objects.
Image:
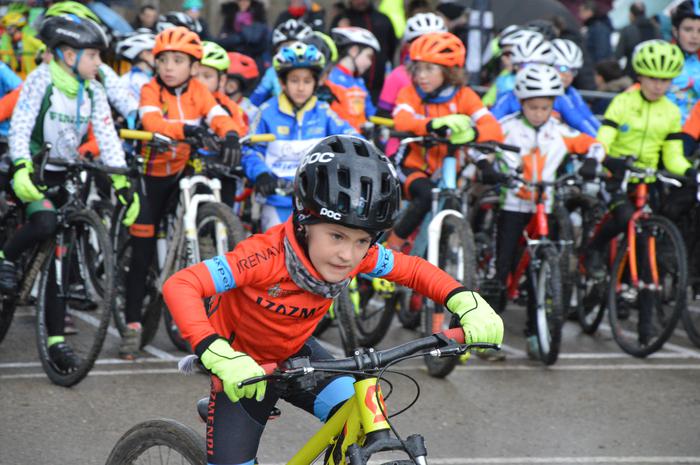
[
  {"x": 318, "y": 157},
  {"x": 330, "y": 214}
]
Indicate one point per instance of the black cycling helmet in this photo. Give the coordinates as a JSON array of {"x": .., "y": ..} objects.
[
  {"x": 75, "y": 32},
  {"x": 684, "y": 10},
  {"x": 292, "y": 29},
  {"x": 347, "y": 180}
]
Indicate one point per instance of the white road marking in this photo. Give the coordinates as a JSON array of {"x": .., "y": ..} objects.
[{"x": 556, "y": 460}]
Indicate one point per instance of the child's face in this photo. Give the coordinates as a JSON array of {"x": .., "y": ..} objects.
[
  {"x": 174, "y": 68},
  {"x": 362, "y": 58},
  {"x": 653, "y": 88},
  {"x": 89, "y": 63},
  {"x": 537, "y": 110},
  {"x": 209, "y": 77},
  {"x": 336, "y": 250},
  {"x": 506, "y": 55},
  {"x": 688, "y": 34},
  {"x": 299, "y": 86},
  {"x": 428, "y": 76},
  {"x": 232, "y": 86},
  {"x": 567, "y": 77}
]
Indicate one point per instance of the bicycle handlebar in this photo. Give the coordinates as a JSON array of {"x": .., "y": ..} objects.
[
  {"x": 79, "y": 164},
  {"x": 148, "y": 136},
  {"x": 486, "y": 147}
]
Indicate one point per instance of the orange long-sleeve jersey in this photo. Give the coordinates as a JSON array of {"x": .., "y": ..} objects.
[
  {"x": 167, "y": 111},
  {"x": 412, "y": 114},
  {"x": 692, "y": 124},
  {"x": 256, "y": 304}
]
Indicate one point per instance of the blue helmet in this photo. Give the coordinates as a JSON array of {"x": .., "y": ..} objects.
[{"x": 298, "y": 55}]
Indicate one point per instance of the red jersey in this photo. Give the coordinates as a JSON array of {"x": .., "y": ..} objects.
[{"x": 256, "y": 303}]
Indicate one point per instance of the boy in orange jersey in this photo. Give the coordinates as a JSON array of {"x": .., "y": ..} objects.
[{"x": 175, "y": 105}]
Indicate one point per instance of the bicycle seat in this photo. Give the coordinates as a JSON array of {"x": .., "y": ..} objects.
[{"x": 203, "y": 407}]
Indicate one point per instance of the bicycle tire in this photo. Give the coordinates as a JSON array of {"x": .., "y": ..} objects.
[
  {"x": 408, "y": 318},
  {"x": 662, "y": 230},
  {"x": 567, "y": 259},
  {"x": 161, "y": 433},
  {"x": 93, "y": 323},
  {"x": 550, "y": 307},
  {"x": 691, "y": 324},
  {"x": 374, "y": 316},
  {"x": 592, "y": 294},
  {"x": 8, "y": 305},
  {"x": 456, "y": 250},
  {"x": 344, "y": 312}
]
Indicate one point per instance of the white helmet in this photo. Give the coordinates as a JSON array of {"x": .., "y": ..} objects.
[
  {"x": 567, "y": 53},
  {"x": 513, "y": 34},
  {"x": 130, "y": 47},
  {"x": 423, "y": 23},
  {"x": 532, "y": 49},
  {"x": 290, "y": 30},
  {"x": 348, "y": 36},
  {"x": 538, "y": 81}
]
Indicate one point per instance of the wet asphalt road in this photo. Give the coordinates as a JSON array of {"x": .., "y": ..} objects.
[{"x": 596, "y": 405}]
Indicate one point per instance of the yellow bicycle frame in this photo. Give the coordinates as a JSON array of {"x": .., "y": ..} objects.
[{"x": 350, "y": 424}]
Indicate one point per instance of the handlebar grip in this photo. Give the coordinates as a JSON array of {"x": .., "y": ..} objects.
[
  {"x": 509, "y": 148},
  {"x": 258, "y": 138},
  {"x": 135, "y": 135},
  {"x": 218, "y": 386},
  {"x": 381, "y": 121}
]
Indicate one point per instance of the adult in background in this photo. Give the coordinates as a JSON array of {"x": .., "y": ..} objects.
[
  {"x": 193, "y": 9},
  {"x": 639, "y": 30},
  {"x": 147, "y": 18},
  {"x": 307, "y": 11},
  {"x": 598, "y": 29},
  {"x": 244, "y": 30},
  {"x": 362, "y": 13}
]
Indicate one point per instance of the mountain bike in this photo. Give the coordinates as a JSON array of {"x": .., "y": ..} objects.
[
  {"x": 360, "y": 428},
  {"x": 81, "y": 256},
  {"x": 197, "y": 227}
]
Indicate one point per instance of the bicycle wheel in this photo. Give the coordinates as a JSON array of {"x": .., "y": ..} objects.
[
  {"x": 550, "y": 308},
  {"x": 84, "y": 239},
  {"x": 218, "y": 232},
  {"x": 643, "y": 319},
  {"x": 691, "y": 322},
  {"x": 374, "y": 315},
  {"x": 457, "y": 258},
  {"x": 567, "y": 257},
  {"x": 344, "y": 312},
  {"x": 160, "y": 441},
  {"x": 591, "y": 294},
  {"x": 410, "y": 305}
]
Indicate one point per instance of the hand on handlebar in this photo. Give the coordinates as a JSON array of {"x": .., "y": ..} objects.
[
  {"x": 459, "y": 126},
  {"x": 266, "y": 184},
  {"x": 200, "y": 134},
  {"x": 127, "y": 197},
  {"x": 479, "y": 321},
  {"x": 588, "y": 169},
  {"x": 22, "y": 183},
  {"x": 231, "y": 150},
  {"x": 232, "y": 368},
  {"x": 489, "y": 174}
]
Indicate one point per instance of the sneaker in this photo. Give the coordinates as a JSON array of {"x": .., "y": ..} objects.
[
  {"x": 69, "y": 325},
  {"x": 533, "y": 348},
  {"x": 8, "y": 276},
  {"x": 130, "y": 346},
  {"x": 594, "y": 264},
  {"x": 62, "y": 355},
  {"x": 491, "y": 355}
]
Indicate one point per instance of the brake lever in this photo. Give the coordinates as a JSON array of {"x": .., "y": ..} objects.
[{"x": 278, "y": 375}]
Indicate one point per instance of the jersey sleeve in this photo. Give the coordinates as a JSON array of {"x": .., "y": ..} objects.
[
  {"x": 336, "y": 125},
  {"x": 214, "y": 115},
  {"x": 151, "y": 114},
  {"x": 111, "y": 151},
  {"x": 118, "y": 93},
  {"x": 406, "y": 116},
  {"x": 486, "y": 125},
  {"x": 27, "y": 113},
  {"x": 505, "y": 104},
  {"x": 672, "y": 148},
  {"x": 576, "y": 116},
  {"x": 410, "y": 271},
  {"x": 692, "y": 124},
  {"x": 8, "y": 103},
  {"x": 607, "y": 133}
]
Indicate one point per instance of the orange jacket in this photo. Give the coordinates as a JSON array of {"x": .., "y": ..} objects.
[
  {"x": 236, "y": 112},
  {"x": 167, "y": 111},
  {"x": 412, "y": 114},
  {"x": 692, "y": 124},
  {"x": 8, "y": 102}
]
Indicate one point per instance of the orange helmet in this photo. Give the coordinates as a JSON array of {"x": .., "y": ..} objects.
[
  {"x": 178, "y": 39},
  {"x": 441, "y": 48},
  {"x": 243, "y": 66}
]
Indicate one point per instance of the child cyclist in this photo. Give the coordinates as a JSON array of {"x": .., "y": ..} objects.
[
  {"x": 240, "y": 77},
  {"x": 58, "y": 102},
  {"x": 137, "y": 49},
  {"x": 685, "y": 88},
  {"x": 346, "y": 194},
  {"x": 437, "y": 101},
  {"x": 545, "y": 143},
  {"x": 298, "y": 120},
  {"x": 175, "y": 105},
  {"x": 642, "y": 122}
]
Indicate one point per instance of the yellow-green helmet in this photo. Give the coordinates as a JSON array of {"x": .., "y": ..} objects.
[
  {"x": 72, "y": 8},
  {"x": 657, "y": 59},
  {"x": 214, "y": 56}
]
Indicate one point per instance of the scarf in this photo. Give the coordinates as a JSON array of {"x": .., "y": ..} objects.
[
  {"x": 305, "y": 280},
  {"x": 64, "y": 81}
]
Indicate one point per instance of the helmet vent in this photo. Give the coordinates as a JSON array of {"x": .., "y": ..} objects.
[
  {"x": 344, "y": 177},
  {"x": 321, "y": 188},
  {"x": 361, "y": 149},
  {"x": 365, "y": 197},
  {"x": 336, "y": 145},
  {"x": 343, "y": 203}
]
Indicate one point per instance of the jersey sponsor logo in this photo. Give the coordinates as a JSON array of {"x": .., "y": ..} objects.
[
  {"x": 287, "y": 310},
  {"x": 330, "y": 214},
  {"x": 255, "y": 259},
  {"x": 277, "y": 291},
  {"x": 283, "y": 130},
  {"x": 317, "y": 157},
  {"x": 212, "y": 304},
  {"x": 63, "y": 118}
]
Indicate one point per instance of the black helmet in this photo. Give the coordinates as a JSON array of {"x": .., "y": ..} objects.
[
  {"x": 684, "y": 10},
  {"x": 178, "y": 18},
  {"x": 289, "y": 30},
  {"x": 78, "y": 33},
  {"x": 347, "y": 180}
]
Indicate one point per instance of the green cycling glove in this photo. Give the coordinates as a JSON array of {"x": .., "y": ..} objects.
[
  {"x": 455, "y": 123},
  {"x": 131, "y": 200},
  {"x": 459, "y": 138},
  {"x": 233, "y": 367},
  {"x": 479, "y": 321},
  {"x": 22, "y": 183}
]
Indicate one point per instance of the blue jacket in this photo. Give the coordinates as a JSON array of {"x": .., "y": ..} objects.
[
  {"x": 9, "y": 81},
  {"x": 685, "y": 88},
  {"x": 295, "y": 132},
  {"x": 269, "y": 87},
  {"x": 570, "y": 106}
]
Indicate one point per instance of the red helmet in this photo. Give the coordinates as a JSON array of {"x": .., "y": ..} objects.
[
  {"x": 243, "y": 68},
  {"x": 441, "y": 48},
  {"x": 178, "y": 39}
]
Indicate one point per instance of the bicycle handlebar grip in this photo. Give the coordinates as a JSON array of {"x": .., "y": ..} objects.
[
  {"x": 509, "y": 148},
  {"x": 135, "y": 135},
  {"x": 455, "y": 333},
  {"x": 258, "y": 138},
  {"x": 381, "y": 121},
  {"x": 218, "y": 386}
]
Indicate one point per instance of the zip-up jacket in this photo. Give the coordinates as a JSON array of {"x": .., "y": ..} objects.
[
  {"x": 9, "y": 81},
  {"x": 685, "y": 88},
  {"x": 354, "y": 102},
  {"x": 256, "y": 304}
]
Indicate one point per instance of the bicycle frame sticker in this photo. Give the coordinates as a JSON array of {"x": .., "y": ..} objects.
[{"x": 369, "y": 396}]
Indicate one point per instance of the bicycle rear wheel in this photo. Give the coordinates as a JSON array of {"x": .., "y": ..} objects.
[
  {"x": 344, "y": 312},
  {"x": 642, "y": 318},
  {"x": 550, "y": 308},
  {"x": 160, "y": 441},
  {"x": 456, "y": 257},
  {"x": 84, "y": 239},
  {"x": 375, "y": 312}
]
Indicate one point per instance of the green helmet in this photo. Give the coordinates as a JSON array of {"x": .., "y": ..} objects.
[
  {"x": 214, "y": 56},
  {"x": 73, "y": 8},
  {"x": 657, "y": 59}
]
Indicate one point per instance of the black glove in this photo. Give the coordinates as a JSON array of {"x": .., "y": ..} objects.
[
  {"x": 265, "y": 184},
  {"x": 201, "y": 134},
  {"x": 488, "y": 174},
  {"x": 231, "y": 150},
  {"x": 588, "y": 169},
  {"x": 616, "y": 165},
  {"x": 691, "y": 175}
]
